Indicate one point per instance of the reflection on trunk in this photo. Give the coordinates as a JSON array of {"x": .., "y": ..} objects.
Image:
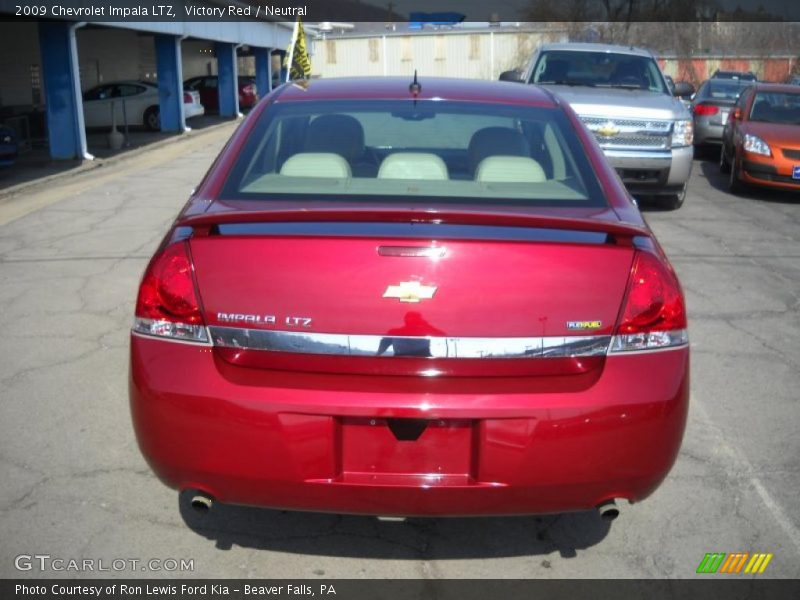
[{"x": 398, "y": 338}]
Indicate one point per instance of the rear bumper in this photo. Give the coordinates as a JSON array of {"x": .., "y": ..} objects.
[
  {"x": 193, "y": 110},
  {"x": 707, "y": 133},
  {"x": 247, "y": 100},
  {"x": 491, "y": 447}
]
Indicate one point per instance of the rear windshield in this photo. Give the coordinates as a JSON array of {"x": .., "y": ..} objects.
[
  {"x": 414, "y": 152},
  {"x": 598, "y": 69},
  {"x": 725, "y": 90},
  {"x": 776, "y": 107}
]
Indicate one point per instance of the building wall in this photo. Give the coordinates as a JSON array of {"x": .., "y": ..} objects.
[
  {"x": 109, "y": 55},
  {"x": 112, "y": 54},
  {"x": 19, "y": 63},
  {"x": 474, "y": 55},
  {"x": 485, "y": 54}
]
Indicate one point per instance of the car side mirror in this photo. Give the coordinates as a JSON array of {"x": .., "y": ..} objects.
[
  {"x": 513, "y": 75},
  {"x": 683, "y": 89}
]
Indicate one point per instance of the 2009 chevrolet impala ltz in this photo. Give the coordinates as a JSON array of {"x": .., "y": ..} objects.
[{"x": 425, "y": 299}]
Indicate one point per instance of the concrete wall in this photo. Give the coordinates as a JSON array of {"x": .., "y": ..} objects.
[{"x": 111, "y": 54}]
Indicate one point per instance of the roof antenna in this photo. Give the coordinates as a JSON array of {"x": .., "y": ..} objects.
[{"x": 415, "y": 88}]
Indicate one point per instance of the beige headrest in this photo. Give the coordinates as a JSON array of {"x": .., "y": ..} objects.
[
  {"x": 413, "y": 165},
  {"x": 316, "y": 164},
  {"x": 509, "y": 169}
]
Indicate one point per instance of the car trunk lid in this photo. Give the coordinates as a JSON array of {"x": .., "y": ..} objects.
[{"x": 443, "y": 294}]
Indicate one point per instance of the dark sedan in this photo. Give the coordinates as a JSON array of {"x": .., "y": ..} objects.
[{"x": 711, "y": 105}]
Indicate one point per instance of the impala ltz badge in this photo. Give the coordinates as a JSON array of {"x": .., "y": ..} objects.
[
  {"x": 291, "y": 321},
  {"x": 410, "y": 291}
]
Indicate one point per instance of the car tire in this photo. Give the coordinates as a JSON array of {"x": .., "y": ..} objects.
[
  {"x": 724, "y": 165},
  {"x": 152, "y": 119},
  {"x": 672, "y": 201},
  {"x": 735, "y": 185}
]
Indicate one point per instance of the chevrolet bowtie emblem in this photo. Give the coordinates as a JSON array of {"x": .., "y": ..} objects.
[
  {"x": 608, "y": 129},
  {"x": 410, "y": 291}
]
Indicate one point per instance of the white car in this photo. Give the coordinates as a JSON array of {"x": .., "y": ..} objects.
[{"x": 134, "y": 102}]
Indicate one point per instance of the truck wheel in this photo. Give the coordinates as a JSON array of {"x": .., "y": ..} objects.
[
  {"x": 672, "y": 201},
  {"x": 152, "y": 118},
  {"x": 724, "y": 165}
]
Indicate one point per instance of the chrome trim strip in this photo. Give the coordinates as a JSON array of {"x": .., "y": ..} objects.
[{"x": 336, "y": 344}]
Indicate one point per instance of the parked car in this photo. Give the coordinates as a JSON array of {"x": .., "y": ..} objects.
[
  {"x": 741, "y": 75},
  {"x": 9, "y": 147},
  {"x": 141, "y": 105},
  {"x": 711, "y": 104},
  {"x": 621, "y": 95},
  {"x": 208, "y": 87},
  {"x": 192, "y": 106},
  {"x": 410, "y": 300},
  {"x": 761, "y": 140}
]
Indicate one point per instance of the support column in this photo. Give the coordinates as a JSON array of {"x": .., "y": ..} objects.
[
  {"x": 170, "y": 83},
  {"x": 228, "y": 80},
  {"x": 263, "y": 70},
  {"x": 66, "y": 133}
]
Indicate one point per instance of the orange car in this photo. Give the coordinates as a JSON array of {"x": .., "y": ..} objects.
[{"x": 761, "y": 140}]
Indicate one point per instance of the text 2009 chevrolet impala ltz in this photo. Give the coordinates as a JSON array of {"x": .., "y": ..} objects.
[{"x": 400, "y": 300}]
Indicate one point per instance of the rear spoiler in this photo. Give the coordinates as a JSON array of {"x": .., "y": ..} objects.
[{"x": 203, "y": 223}]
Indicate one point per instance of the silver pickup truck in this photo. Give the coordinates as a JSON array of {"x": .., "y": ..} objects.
[{"x": 623, "y": 97}]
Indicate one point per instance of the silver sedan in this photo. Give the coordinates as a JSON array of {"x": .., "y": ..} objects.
[{"x": 710, "y": 107}]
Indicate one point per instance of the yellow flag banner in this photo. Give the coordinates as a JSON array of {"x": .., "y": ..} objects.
[{"x": 297, "y": 60}]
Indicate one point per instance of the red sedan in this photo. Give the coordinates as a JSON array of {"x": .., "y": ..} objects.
[
  {"x": 208, "y": 88},
  {"x": 434, "y": 299}
]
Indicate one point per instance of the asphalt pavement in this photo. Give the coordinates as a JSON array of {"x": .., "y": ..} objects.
[{"x": 74, "y": 485}]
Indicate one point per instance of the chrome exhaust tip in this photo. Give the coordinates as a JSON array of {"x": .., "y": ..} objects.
[
  {"x": 201, "y": 503},
  {"x": 608, "y": 510}
]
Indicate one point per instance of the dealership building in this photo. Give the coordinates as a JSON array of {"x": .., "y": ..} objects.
[{"x": 47, "y": 62}]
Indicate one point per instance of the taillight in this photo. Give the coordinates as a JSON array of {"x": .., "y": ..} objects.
[
  {"x": 167, "y": 305},
  {"x": 705, "y": 110},
  {"x": 187, "y": 98},
  {"x": 654, "y": 314}
]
